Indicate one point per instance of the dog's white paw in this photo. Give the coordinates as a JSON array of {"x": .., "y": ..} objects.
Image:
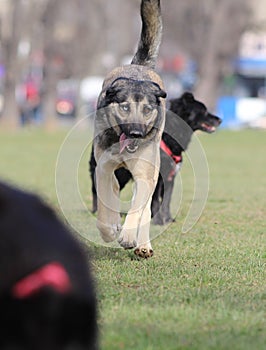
[
  {"x": 127, "y": 239},
  {"x": 127, "y": 244},
  {"x": 109, "y": 232},
  {"x": 144, "y": 251}
]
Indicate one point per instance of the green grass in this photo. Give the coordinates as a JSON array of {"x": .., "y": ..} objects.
[{"x": 205, "y": 289}]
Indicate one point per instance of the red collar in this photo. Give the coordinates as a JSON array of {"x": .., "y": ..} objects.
[
  {"x": 166, "y": 149},
  {"x": 51, "y": 275}
]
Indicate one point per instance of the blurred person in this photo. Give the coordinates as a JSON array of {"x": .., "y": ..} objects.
[{"x": 30, "y": 102}]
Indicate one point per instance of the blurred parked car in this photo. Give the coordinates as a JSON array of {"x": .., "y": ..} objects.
[{"x": 67, "y": 98}]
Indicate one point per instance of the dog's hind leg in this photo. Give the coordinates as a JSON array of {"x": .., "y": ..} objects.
[
  {"x": 166, "y": 200},
  {"x": 156, "y": 203},
  {"x": 108, "y": 219}
]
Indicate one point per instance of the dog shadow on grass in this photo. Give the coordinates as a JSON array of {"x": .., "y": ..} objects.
[
  {"x": 93, "y": 248},
  {"x": 97, "y": 252}
]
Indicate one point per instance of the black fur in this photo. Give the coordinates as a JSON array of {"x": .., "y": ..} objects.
[
  {"x": 177, "y": 138},
  {"x": 31, "y": 236},
  {"x": 151, "y": 34}
]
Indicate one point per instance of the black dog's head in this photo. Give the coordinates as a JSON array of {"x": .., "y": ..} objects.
[
  {"x": 47, "y": 298},
  {"x": 194, "y": 113},
  {"x": 135, "y": 108}
]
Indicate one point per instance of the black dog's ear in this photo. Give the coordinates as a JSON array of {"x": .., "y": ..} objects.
[{"x": 187, "y": 98}]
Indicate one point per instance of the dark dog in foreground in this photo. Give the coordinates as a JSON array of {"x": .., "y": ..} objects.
[
  {"x": 47, "y": 296},
  {"x": 128, "y": 127},
  {"x": 185, "y": 116}
]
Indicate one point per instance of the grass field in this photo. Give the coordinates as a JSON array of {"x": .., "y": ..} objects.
[{"x": 204, "y": 289}]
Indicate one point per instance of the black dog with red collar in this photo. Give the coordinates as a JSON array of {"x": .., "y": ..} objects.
[{"x": 185, "y": 115}]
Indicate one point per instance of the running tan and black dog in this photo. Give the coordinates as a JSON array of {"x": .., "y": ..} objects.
[
  {"x": 129, "y": 123},
  {"x": 185, "y": 116}
]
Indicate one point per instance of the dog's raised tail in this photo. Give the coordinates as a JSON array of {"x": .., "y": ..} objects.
[{"x": 151, "y": 34}]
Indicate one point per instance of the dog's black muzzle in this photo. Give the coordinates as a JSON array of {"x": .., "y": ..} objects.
[
  {"x": 134, "y": 130},
  {"x": 130, "y": 136}
]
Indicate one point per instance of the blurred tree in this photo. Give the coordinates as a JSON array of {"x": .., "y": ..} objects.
[
  {"x": 10, "y": 41},
  {"x": 50, "y": 69},
  {"x": 86, "y": 37},
  {"x": 80, "y": 38},
  {"x": 209, "y": 32}
]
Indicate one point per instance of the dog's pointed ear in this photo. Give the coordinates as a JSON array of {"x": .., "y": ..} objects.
[
  {"x": 111, "y": 92},
  {"x": 116, "y": 87},
  {"x": 159, "y": 92},
  {"x": 187, "y": 98}
]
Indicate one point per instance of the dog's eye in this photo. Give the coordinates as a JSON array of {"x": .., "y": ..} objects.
[
  {"x": 124, "y": 107},
  {"x": 147, "y": 109}
]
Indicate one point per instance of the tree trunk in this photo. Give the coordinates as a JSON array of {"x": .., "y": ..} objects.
[
  {"x": 50, "y": 69},
  {"x": 207, "y": 88},
  {"x": 49, "y": 98},
  {"x": 209, "y": 67},
  {"x": 10, "y": 116}
]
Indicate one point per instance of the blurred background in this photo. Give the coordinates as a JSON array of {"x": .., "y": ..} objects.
[{"x": 55, "y": 53}]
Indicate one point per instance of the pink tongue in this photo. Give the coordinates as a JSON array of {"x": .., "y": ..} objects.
[{"x": 124, "y": 142}]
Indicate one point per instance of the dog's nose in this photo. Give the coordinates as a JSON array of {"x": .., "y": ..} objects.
[
  {"x": 218, "y": 120},
  {"x": 136, "y": 133}
]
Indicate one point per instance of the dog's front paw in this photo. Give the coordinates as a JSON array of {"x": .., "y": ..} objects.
[
  {"x": 109, "y": 232},
  {"x": 144, "y": 251},
  {"x": 127, "y": 244},
  {"x": 127, "y": 239}
]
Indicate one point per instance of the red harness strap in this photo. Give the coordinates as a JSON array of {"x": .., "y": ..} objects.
[
  {"x": 166, "y": 149},
  {"x": 176, "y": 159},
  {"x": 53, "y": 275}
]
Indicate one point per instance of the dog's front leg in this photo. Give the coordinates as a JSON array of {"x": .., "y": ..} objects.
[
  {"x": 144, "y": 248},
  {"x": 129, "y": 235},
  {"x": 108, "y": 219},
  {"x": 135, "y": 232}
]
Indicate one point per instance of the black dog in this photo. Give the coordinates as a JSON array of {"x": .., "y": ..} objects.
[
  {"x": 175, "y": 140},
  {"x": 47, "y": 295}
]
